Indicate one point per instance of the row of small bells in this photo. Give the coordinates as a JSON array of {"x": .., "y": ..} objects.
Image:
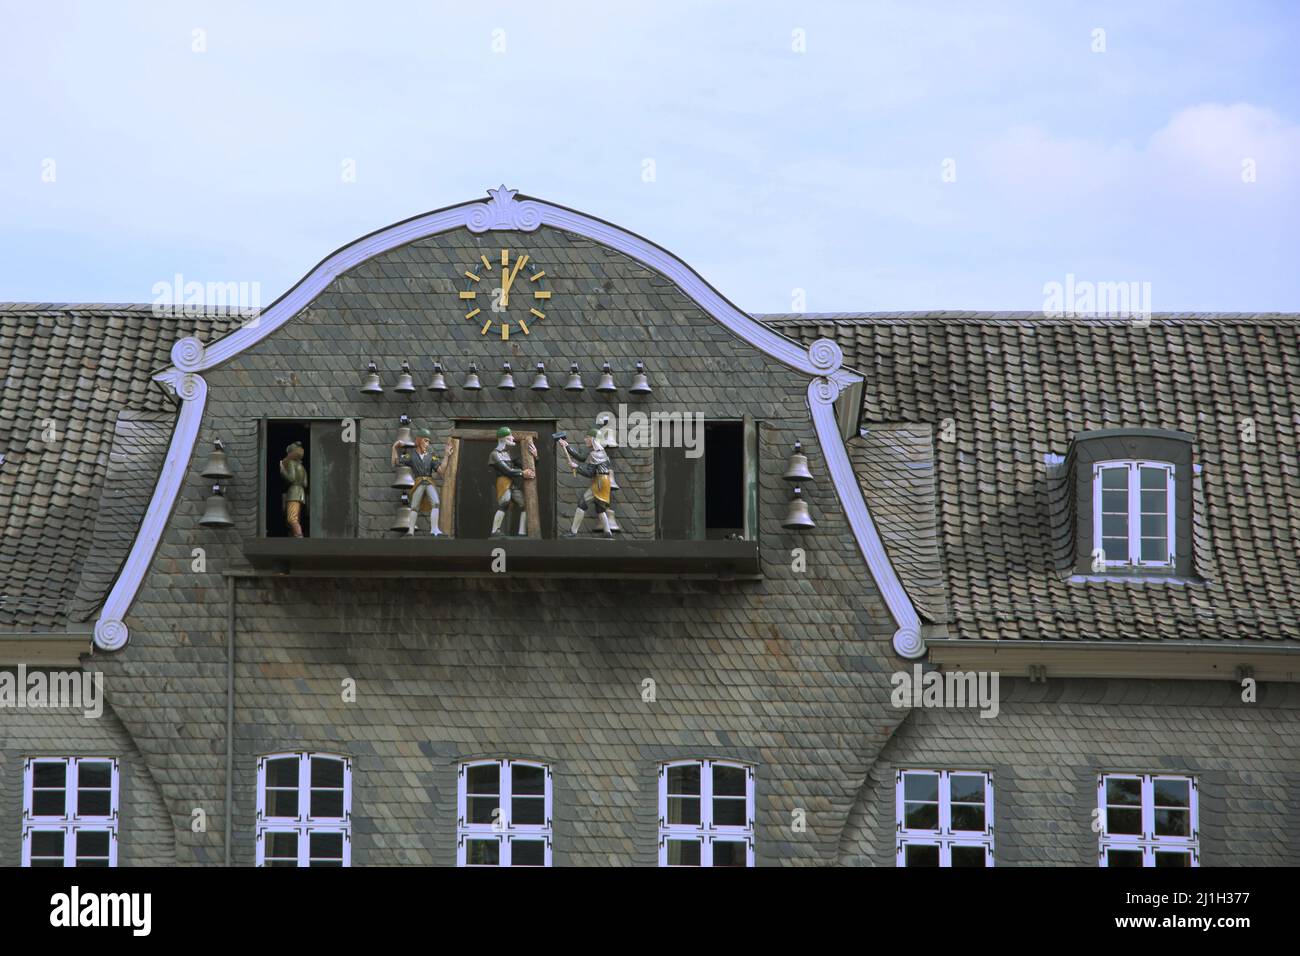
[
  {"x": 216, "y": 511},
  {"x": 438, "y": 381},
  {"x": 404, "y": 481}
]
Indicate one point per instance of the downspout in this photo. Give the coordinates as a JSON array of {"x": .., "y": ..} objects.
[{"x": 230, "y": 710}]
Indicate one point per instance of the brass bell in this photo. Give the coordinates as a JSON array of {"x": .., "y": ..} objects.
[
  {"x": 472, "y": 383},
  {"x": 640, "y": 384},
  {"x": 404, "y": 521},
  {"x": 606, "y": 380},
  {"x": 404, "y": 477},
  {"x": 507, "y": 383},
  {"x": 574, "y": 384},
  {"x": 540, "y": 384},
  {"x": 404, "y": 438},
  {"x": 798, "y": 518},
  {"x": 216, "y": 513},
  {"x": 216, "y": 466},
  {"x": 405, "y": 384},
  {"x": 439, "y": 381},
  {"x": 797, "y": 469},
  {"x": 372, "y": 386}
]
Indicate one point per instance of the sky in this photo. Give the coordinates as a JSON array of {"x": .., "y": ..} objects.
[{"x": 814, "y": 155}]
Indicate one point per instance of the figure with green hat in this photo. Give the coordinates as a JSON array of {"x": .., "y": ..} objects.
[
  {"x": 426, "y": 467},
  {"x": 510, "y": 476},
  {"x": 294, "y": 473},
  {"x": 591, "y": 462}
]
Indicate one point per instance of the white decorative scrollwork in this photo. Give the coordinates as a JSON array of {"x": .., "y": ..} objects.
[
  {"x": 186, "y": 385},
  {"x": 825, "y": 355},
  {"x": 908, "y": 643},
  {"x": 503, "y": 211},
  {"x": 110, "y": 635},
  {"x": 823, "y": 391},
  {"x": 187, "y": 354}
]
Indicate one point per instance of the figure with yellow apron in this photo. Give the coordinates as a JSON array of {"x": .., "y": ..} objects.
[
  {"x": 510, "y": 476},
  {"x": 590, "y": 462}
]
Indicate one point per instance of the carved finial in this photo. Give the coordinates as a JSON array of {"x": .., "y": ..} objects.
[
  {"x": 503, "y": 211},
  {"x": 502, "y": 196}
]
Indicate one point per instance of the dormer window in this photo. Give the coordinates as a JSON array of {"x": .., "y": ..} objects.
[{"x": 1133, "y": 514}]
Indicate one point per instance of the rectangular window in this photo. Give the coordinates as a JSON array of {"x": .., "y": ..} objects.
[
  {"x": 1133, "y": 514},
  {"x": 944, "y": 818},
  {"x": 328, "y": 505},
  {"x": 1148, "y": 820},
  {"x": 70, "y": 811},
  {"x": 304, "y": 810},
  {"x": 504, "y": 813},
  {"x": 706, "y": 813},
  {"x": 711, "y": 496}
]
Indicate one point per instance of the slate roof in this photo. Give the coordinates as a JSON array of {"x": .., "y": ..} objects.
[
  {"x": 76, "y": 369},
  {"x": 1017, "y": 388}
]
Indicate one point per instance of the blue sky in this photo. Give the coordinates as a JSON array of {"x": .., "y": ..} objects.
[{"x": 775, "y": 168}]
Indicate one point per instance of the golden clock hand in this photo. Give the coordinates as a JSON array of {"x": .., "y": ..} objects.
[{"x": 510, "y": 279}]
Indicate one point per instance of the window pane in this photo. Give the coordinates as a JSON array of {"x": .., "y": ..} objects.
[
  {"x": 728, "y": 781},
  {"x": 48, "y": 803},
  {"x": 49, "y": 773},
  {"x": 1114, "y": 478},
  {"x": 482, "y": 853},
  {"x": 326, "y": 772},
  {"x": 1115, "y": 549},
  {"x": 527, "y": 780},
  {"x": 684, "y": 811},
  {"x": 48, "y": 843},
  {"x": 966, "y": 788},
  {"x": 684, "y": 778},
  {"x": 484, "y": 778},
  {"x": 281, "y": 849},
  {"x": 1124, "y": 858},
  {"x": 914, "y": 855},
  {"x": 1154, "y": 478},
  {"x": 729, "y": 853},
  {"x": 528, "y": 811},
  {"x": 1114, "y": 526},
  {"x": 1173, "y": 822},
  {"x": 528, "y": 853},
  {"x": 481, "y": 809},
  {"x": 966, "y": 816},
  {"x": 968, "y": 856},
  {"x": 92, "y": 847},
  {"x": 728, "y": 812},
  {"x": 683, "y": 852},
  {"x": 1155, "y": 526},
  {"x": 326, "y": 849},
  {"x": 97, "y": 774},
  {"x": 1127, "y": 821},
  {"x": 921, "y": 786},
  {"x": 1172, "y": 793},
  {"x": 282, "y": 772},
  {"x": 1173, "y": 858},
  {"x": 1155, "y": 502},
  {"x": 1114, "y": 502},
  {"x": 327, "y": 803},
  {"x": 282, "y": 803},
  {"x": 94, "y": 803},
  {"x": 921, "y": 816},
  {"x": 1121, "y": 791},
  {"x": 1155, "y": 549}
]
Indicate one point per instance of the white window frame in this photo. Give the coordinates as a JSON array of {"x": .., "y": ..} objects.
[
  {"x": 1134, "y": 558},
  {"x": 707, "y": 833},
  {"x": 944, "y": 836},
  {"x": 70, "y": 823},
  {"x": 1148, "y": 842},
  {"x": 505, "y": 830},
  {"x": 304, "y": 824}
]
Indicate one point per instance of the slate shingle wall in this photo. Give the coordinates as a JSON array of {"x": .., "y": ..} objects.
[
  {"x": 1049, "y": 742},
  {"x": 788, "y": 672}
]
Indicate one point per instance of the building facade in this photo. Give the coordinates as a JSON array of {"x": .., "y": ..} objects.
[{"x": 1033, "y": 601}]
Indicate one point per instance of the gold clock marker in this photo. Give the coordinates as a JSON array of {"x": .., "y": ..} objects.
[
  {"x": 469, "y": 295},
  {"x": 541, "y": 295},
  {"x": 471, "y": 276},
  {"x": 486, "y": 265},
  {"x": 470, "y": 315},
  {"x": 540, "y": 315}
]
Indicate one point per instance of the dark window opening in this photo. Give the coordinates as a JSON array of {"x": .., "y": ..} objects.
[
  {"x": 330, "y": 459},
  {"x": 713, "y": 496},
  {"x": 475, "y": 493},
  {"x": 724, "y": 479}
]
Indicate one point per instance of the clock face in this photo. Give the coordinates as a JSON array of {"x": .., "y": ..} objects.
[{"x": 506, "y": 292}]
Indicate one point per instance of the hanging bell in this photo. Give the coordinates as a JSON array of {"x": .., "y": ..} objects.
[
  {"x": 404, "y": 477},
  {"x": 404, "y": 521},
  {"x": 640, "y": 384},
  {"x": 574, "y": 384},
  {"x": 216, "y": 466},
  {"x": 404, "y": 438},
  {"x": 507, "y": 383},
  {"x": 797, "y": 469},
  {"x": 372, "y": 386},
  {"x": 540, "y": 384},
  {"x": 405, "y": 384},
  {"x": 472, "y": 383},
  {"x": 606, "y": 380},
  {"x": 439, "y": 381},
  {"x": 216, "y": 513},
  {"x": 798, "y": 518}
]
